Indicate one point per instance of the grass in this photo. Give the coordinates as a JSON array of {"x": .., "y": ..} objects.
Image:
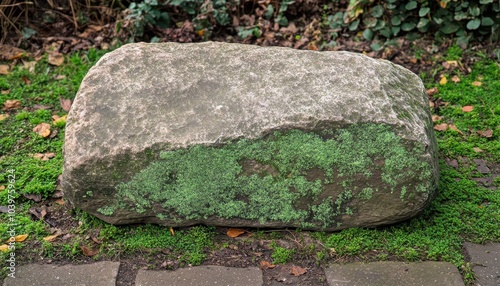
[{"x": 462, "y": 210}]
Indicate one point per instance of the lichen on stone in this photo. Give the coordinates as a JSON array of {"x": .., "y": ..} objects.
[{"x": 204, "y": 181}]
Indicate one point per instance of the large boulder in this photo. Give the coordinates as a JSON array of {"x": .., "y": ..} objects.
[{"x": 239, "y": 135}]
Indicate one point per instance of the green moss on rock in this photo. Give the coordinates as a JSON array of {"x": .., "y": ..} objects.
[{"x": 204, "y": 181}]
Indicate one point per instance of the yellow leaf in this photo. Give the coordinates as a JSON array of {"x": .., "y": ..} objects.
[
  {"x": 3, "y": 116},
  {"x": 56, "y": 119},
  {"x": 51, "y": 238},
  {"x": 443, "y": 80},
  {"x": 477, "y": 150},
  {"x": 4, "y": 247},
  {"x": 172, "y": 231},
  {"x": 21, "y": 238}
]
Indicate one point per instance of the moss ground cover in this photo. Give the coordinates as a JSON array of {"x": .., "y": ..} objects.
[{"x": 463, "y": 210}]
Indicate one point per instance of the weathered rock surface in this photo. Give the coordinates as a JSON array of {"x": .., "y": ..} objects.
[{"x": 238, "y": 135}]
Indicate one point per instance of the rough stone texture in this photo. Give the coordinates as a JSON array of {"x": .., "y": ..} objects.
[
  {"x": 331, "y": 139},
  {"x": 201, "y": 275},
  {"x": 394, "y": 274},
  {"x": 485, "y": 260},
  {"x": 95, "y": 274}
]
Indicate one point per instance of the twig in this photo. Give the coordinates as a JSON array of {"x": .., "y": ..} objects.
[
  {"x": 74, "y": 16},
  {"x": 16, "y": 4}
]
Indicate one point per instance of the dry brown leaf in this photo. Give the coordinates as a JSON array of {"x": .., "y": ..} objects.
[
  {"x": 432, "y": 91},
  {"x": 3, "y": 116},
  {"x": 44, "y": 156},
  {"x": 436, "y": 118},
  {"x": 11, "y": 104},
  {"x": 441, "y": 127},
  {"x": 488, "y": 133},
  {"x": 95, "y": 240},
  {"x": 20, "y": 238},
  {"x": 59, "y": 77},
  {"x": 4, "y": 92},
  {"x": 467, "y": 108},
  {"x": 297, "y": 270},
  {"x": 431, "y": 103},
  {"x": 10, "y": 53},
  {"x": 454, "y": 128},
  {"x": 34, "y": 197},
  {"x": 2, "y": 188},
  {"x": 172, "y": 231},
  {"x": 4, "y": 247},
  {"x": 4, "y": 69},
  {"x": 59, "y": 202},
  {"x": 266, "y": 265},
  {"x": 477, "y": 83},
  {"x": 65, "y": 104},
  {"x": 43, "y": 129},
  {"x": 30, "y": 66},
  {"x": 477, "y": 150},
  {"x": 235, "y": 232},
  {"x": 455, "y": 79},
  {"x": 87, "y": 251},
  {"x": 26, "y": 80},
  {"x": 56, "y": 59}
]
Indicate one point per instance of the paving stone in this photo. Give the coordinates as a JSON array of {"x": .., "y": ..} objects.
[
  {"x": 201, "y": 275},
  {"x": 388, "y": 273},
  {"x": 485, "y": 261},
  {"x": 95, "y": 274}
]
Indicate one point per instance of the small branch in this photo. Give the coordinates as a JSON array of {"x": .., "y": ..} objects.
[{"x": 17, "y": 4}]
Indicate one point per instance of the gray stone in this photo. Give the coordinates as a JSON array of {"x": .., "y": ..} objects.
[
  {"x": 201, "y": 275},
  {"x": 238, "y": 135},
  {"x": 485, "y": 260},
  {"x": 388, "y": 273},
  {"x": 95, "y": 274}
]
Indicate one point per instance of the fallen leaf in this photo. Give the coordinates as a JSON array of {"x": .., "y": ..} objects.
[
  {"x": 488, "y": 133},
  {"x": 95, "y": 240},
  {"x": 467, "y": 108},
  {"x": 10, "y": 53},
  {"x": 436, "y": 118},
  {"x": 59, "y": 202},
  {"x": 65, "y": 103},
  {"x": 34, "y": 197},
  {"x": 20, "y": 238},
  {"x": 452, "y": 63},
  {"x": 53, "y": 133},
  {"x": 455, "y": 79},
  {"x": 43, "y": 212},
  {"x": 11, "y": 104},
  {"x": 477, "y": 83},
  {"x": 51, "y": 238},
  {"x": 297, "y": 270},
  {"x": 4, "y": 69},
  {"x": 441, "y": 127},
  {"x": 30, "y": 66},
  {"x": 443, "y": 80},
  {"x": 43, "y": 129},
  {"x": 235, "y": 232},
  {"x": 4, "y": 92},
  {"x": 56, "y": 59},
  {"x": 432, "y": 91},
  {"x": 26, "y": 80},
  {"x": 4, "y": 247},
  {"x": 266, "y": 265},
  {"x": 3, "y": 116},
  {"x": 431, "y": 103},
  {"x": 4, "y": 209},
  {"x": 87, "y": 251},
  {"x": 2, "y": 187},
  {"x": 172, "y": 231},
  {"x": 59, "y": 77},
  {"x": 454, "y": 128},
  {"x": 477, "y": 150},
  {"x": 56, "y": 119},
  {"x": 41, "y": 106},
  {"x": 44, "y": 156}
]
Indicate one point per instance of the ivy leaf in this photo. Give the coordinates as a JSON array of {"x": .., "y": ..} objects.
[
  {"x": 422, "y": 23},
  {"x": 473, "y": 24},
  {"x": 377, "y": 11},
  {"x": 368, "y": 34},
  {"x": 487, "y": 21},
  {"x": 411, "y": 5},
  {"x": 423, "y": 11},
  {"x": 396, "y": 21},
  {"x": 354, "y": 25},
  {"x": 485, "y": 1},
  {"x": 450, "y": 28},
  {"x": 408, "y": 26}
]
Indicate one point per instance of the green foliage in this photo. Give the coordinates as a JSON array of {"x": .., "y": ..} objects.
[
  {"x": 280, "y": 254},
  {"x": 146, "y": 12}
]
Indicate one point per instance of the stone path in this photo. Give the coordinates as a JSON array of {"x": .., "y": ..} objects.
[{"x": 485, "y": 261}]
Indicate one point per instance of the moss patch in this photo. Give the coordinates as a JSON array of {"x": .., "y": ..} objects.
[{"x": 266, "y": 179}]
